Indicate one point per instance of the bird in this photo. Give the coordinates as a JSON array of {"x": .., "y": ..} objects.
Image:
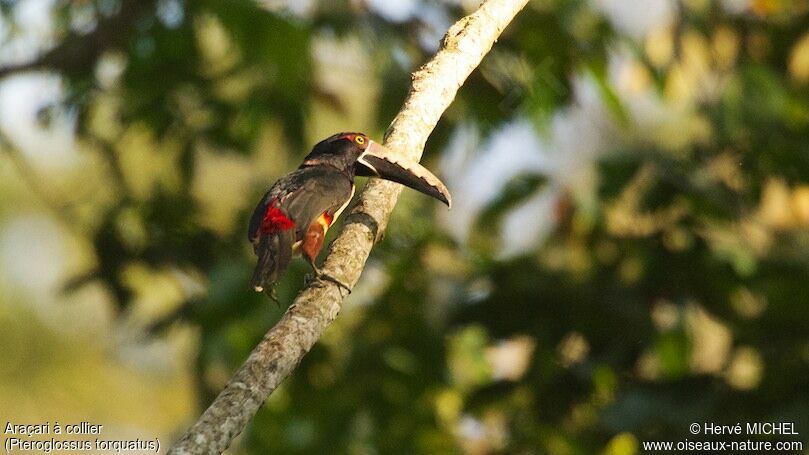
[{"x": 296, "y": 212}]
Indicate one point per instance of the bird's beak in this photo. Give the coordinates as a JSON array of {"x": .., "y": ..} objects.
[{"x": 378, "y": 161}]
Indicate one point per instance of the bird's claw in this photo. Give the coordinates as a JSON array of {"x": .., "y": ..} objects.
[
  {"x": 334, "y": 280},
  {"x": 318, "y": 275}
]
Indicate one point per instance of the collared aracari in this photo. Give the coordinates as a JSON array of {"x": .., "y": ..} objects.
[{"x": 293, "y": 216}]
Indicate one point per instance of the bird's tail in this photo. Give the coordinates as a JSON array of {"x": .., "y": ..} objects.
[{"x": 274, "y": 252}]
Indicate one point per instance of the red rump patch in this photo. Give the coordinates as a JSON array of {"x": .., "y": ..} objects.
[
  {"x": 328, "y": 217},
  {"x": 275, "y": 220}
]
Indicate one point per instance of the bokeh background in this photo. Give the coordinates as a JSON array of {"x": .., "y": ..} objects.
[{"x": 628, "y": 252}]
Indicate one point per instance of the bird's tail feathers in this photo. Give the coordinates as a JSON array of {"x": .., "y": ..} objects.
[{"x": 274, "y": 252}]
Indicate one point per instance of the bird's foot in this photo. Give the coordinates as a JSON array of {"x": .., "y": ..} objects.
[
  {"x": 318, "y": 275},
  {"x": 340, "y": 284}
]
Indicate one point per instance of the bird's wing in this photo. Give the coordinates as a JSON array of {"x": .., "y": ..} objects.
[
  {"x": 303, "y": 196},
  {"x": 324, "y": 191}
]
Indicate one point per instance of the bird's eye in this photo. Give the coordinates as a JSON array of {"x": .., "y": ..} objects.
[{"x": 359, "y": 140}]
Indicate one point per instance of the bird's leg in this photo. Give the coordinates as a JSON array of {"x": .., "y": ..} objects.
[{"x": 312, "y": 243}]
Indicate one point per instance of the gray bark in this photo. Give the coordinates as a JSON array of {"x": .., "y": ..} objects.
[{"x": 433, "y": 89}]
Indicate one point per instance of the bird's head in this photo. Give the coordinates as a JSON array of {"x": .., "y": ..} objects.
[
  {"x": 341, "y": 150},
  {"x": 356, "y": 154}
]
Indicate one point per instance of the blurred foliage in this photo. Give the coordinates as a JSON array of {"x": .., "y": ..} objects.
[{"x": 677, "y": 295}]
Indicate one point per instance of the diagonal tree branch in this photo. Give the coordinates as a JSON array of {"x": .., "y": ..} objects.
[{"x": 433, "y": 89}]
